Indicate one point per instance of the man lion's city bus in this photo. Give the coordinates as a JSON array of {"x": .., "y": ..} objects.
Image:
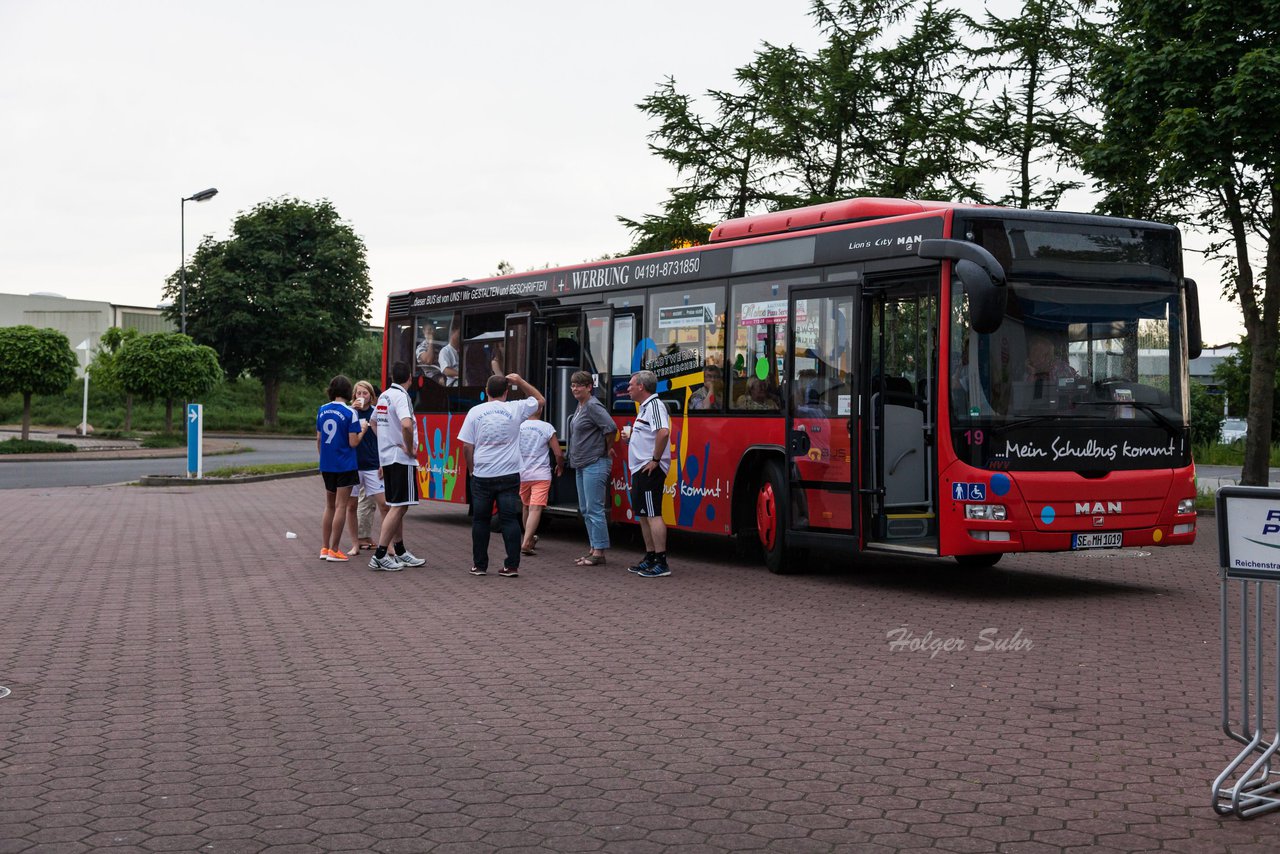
[{"x": 868, "y": 375}]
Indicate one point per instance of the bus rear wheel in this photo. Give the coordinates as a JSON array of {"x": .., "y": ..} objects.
[
  {"x": 771, "y": 520},
  {"x": 978, "y": 561}
]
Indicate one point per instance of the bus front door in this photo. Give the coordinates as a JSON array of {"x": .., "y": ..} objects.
[
  {"x": 899, "y": 323},
  {"x": 820, "y": 410}
]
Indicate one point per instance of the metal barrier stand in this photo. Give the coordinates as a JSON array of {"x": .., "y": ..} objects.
[{"x": 1249, "y": 554}]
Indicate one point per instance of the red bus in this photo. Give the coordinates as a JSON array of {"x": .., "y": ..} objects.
[{"x": 873, "y": 374}]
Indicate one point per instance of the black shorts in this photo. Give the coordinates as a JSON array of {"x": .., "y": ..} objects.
[
  {"x": 401, "y": 482},
  {"x": 646, "y": 492},
  {"x": 335, "y": 480}
]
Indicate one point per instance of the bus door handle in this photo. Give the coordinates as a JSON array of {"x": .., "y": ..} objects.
[{"x": 798, "y": 443}]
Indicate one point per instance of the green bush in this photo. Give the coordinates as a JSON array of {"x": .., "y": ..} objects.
[
  {"x": 234, "y": 407},
  {"x": 34, "y": 446},
  {"x": 164, "y": 440}
]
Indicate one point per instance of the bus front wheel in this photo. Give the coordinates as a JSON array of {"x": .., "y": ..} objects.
[
  {"x": 978, "y": 561},
  {"x": 771, "y": 520}
]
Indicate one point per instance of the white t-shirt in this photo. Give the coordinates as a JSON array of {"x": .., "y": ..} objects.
[
  {"x": 493, "y": 430},
  {"x": 448, "y": 358},
  {"x": 393, "y": 406},
  {"x": 650, "y": 418},
  {"x": 535, "y": 450}
]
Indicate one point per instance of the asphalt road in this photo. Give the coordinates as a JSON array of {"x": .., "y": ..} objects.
[{"x": 57, "y": 473}]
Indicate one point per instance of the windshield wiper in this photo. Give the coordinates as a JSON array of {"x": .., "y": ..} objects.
[{"x": 1037, "y": 419}]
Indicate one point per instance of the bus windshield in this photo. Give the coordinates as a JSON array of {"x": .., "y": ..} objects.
[{"x": 1079, "y": 356}]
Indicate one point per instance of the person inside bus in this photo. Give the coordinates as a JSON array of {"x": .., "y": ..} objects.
[
  {"x": 712, "y": 390},
  {"x": 427, "y": 356},
  {"x": 448, "y": 357},
  {"x": 756, "y": 397},
  {"x": 1044, "y": 368}
]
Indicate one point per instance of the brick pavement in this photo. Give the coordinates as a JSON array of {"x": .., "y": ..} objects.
[{"x": 185, "y": 678}]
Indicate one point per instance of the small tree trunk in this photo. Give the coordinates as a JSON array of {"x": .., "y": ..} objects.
[
  {"x": 168, "y": 415},
  {"x": 1262, "y": 379},
  {"x": 26, "y": 415},
  {"x": 128, "y": 413},
  {"x": 271, "y": 401}
]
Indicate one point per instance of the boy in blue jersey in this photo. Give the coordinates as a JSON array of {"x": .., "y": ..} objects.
[{"x": 338, "y": 432}]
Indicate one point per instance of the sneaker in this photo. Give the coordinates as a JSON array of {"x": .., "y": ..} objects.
[
  {"x": 386, "y": 564},
  {"x": 508, "y": 573},
  {"x": 338, "y": 556},
  {"x": 410, "y": 559},
  {"x": 475, "y": 570},
  {"x": 642, "y": 567},
  {"x": 324, "y": 554},
  {"x": 657, "y": 570}
]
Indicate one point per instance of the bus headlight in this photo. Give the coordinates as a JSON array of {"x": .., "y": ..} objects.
[
  {"x": 985, "y": 512},
  {"x": 1187, "y": 505}
]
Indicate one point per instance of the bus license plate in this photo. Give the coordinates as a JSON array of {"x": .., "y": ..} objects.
[{"x": 1097, "y": 541}]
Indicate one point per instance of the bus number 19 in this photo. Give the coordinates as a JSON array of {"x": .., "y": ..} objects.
[{"x": 973, "y": 437}]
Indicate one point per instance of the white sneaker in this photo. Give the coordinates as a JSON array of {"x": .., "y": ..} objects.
[
  {"x": 408, "y": 558},
  {"x": 386, "y": 564}
]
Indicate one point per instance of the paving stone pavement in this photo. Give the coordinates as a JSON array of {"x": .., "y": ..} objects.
[{"x": 185, "y": 678}]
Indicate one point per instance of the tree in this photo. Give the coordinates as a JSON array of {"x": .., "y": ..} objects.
[
  {"x": 924, "y": 141},
  {"x": 1233, "y": 376},
  {"x": 167, "y": 366},
  {"x": 364, "y": 359},
  {"x": 285, "y": 296},
  {"x": 860, "y": 116},
  {"x": 34, "y": 361},
  {"x": 1190, "y": 98},
  {"x": 104, "y": 370},
  {"x": 1035, "y": 64},
  {"x": 1206, "y": 415}
]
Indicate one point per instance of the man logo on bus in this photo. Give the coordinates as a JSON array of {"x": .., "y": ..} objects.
[{"x": 1084, "y": 508}]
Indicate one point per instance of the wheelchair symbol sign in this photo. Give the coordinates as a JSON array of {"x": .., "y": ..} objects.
[{"x": 961, "y": 491}]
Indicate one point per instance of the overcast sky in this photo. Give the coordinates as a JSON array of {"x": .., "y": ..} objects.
[{"x": 451, "y": 136}]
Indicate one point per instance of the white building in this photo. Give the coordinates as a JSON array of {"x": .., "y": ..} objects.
[{"x": 78, "y": 319}]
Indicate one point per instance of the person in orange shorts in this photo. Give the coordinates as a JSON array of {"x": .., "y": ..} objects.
[{"x": 537, "y": 437}]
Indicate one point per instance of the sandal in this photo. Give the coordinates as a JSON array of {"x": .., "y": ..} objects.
[
  {"x": 525, "y": 551},
  {"x": 590, "y": 560}
]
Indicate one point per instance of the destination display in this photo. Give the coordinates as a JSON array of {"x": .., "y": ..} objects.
[{"x": 1067, "y": 448}]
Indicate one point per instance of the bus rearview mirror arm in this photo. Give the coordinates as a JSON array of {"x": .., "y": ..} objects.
[{"x": 981, "y": 275}]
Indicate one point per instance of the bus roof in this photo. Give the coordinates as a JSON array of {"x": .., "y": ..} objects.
[{"x": 818, "y": 216}]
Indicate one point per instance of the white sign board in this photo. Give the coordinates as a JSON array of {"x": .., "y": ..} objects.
[{"x": 1249, "y": 532}]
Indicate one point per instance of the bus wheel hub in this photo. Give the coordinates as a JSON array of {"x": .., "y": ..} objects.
[{"x": 767, "y": 516}]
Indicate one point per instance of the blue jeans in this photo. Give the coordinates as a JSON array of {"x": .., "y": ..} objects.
[
  {"x": 591, "y": 480},
  {"x": 506, "y": 491}
]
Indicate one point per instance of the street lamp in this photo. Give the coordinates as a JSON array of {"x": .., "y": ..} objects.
[{"x": 202, "y": 196}]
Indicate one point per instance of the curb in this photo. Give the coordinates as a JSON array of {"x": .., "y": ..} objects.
[{"x": 174, "y": 480}]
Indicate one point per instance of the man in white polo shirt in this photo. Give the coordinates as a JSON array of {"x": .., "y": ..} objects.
[
  {"x": 649, "y": 460},
  {"x": 490, "y": 437},
  {"x": 397, "y": 431}
]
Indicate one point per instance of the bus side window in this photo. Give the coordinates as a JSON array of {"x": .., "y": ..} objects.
[{"x": 685, "y": 327}]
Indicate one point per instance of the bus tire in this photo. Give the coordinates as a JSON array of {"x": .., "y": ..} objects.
[
  {"x": 978, "y": 561},
  {"x": 771, "y": 519}
]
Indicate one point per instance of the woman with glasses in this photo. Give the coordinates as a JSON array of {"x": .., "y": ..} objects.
[{"x": 591, "y": 438}]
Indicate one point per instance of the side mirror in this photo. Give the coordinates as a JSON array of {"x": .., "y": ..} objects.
[
  {"x": 981, "y": 276},
  {"x": 1195, "y": 344}
]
